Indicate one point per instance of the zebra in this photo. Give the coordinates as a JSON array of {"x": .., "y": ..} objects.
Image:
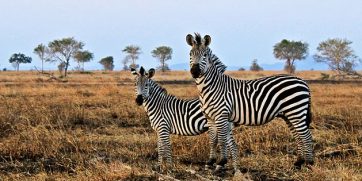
[
  {"x": 250, "y": 102},
  {"x": 170, "y": 115}
]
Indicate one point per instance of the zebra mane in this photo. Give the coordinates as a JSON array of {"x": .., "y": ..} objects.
[
  {"x": 158, "y": 87},
  {"x": 216, "y": 62},
  {"x": 198, "y": 39}
]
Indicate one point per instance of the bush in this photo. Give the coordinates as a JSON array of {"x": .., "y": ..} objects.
[{"x": 324, "y": 76}]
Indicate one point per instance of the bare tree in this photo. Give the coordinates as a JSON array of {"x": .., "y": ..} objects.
[{"x": 338, "y": 54}]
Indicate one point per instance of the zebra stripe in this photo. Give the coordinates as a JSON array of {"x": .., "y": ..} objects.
[
  {"x": 170, "y": 115},
  {"x": 250, "y": 102}
]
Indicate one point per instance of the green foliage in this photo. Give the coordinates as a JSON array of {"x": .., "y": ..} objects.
[
  {"x": 107, "y": 63},
  {"x": 83, "y": 56},
  {"x": 63, "y": 50},
  {"x": 162, "y": 53},
  {"x": 255, "y": 66},
  {"x": 132, "y": 52},
  {"x": 290, "y": 51},
  {"x": 338, "y": 54},
  {"x": 17, "y": 58}
]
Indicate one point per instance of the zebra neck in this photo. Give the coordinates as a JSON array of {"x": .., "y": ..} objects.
[
  {"x": 156, "y": 94},
  {"x": 210, "y": 80},
  {"x": 216, "y": 62}
]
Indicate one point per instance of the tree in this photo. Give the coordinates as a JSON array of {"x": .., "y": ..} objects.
[
  {"x": 290, "y": 51},
  {"x": 64, "y": 50},
  {"x": 17, "y": 58},
  {"x": 107, "y": 63},
  {"x": 81, "y": 57},
  {"x": 41, "y": 50},
  {"x": 255, "y": 66},
  {"x": 241, "y": 69},
  {"x": 61, "y": 67},
  {"x": 125, "y": 62},
  {"x": 338, "y": 54},
  {"x": 132, "y": 54},
  {"x": 162, "y": 53}
]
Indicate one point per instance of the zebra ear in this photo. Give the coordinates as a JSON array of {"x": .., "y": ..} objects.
[
  {"x": 142, "y": 71},
  {"x": 151, "y": 73},
  {"x": 134, "y": 71},
  {"x": 190, "y": 40},
  {"x": 207, "y": 39}
]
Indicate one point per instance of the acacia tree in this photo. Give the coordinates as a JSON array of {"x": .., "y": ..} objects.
[
  {"x": 290, "y": 51},
  {"x": 132, "y": 52},
  {"x": 338, "y": 54},
  {"x": 162, "y": 53},
  {"x": 107, "y": 63},
  {"x": 81, "y": 57},
  {"x": 63, "y": 50},
  {"x": 41, "y": 50},
  {"x": 17, "y": 58}
]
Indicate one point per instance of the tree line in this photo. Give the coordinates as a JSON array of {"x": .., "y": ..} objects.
[
  {"x": 64, "y": 50},
  {"x": 336, "y": 53}
]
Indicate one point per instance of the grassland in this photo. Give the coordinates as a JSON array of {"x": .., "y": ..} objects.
[{"x": 89, "y": 128}]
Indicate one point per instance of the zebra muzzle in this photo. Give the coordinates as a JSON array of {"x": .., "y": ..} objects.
[
  {"x": 139, "y": 100},
  {"x": 195, "y": 71}
]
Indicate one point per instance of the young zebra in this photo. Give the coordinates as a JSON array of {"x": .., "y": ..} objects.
[
  {"x": 170, "y": 115},
  {"x": 250, "y": 102}
]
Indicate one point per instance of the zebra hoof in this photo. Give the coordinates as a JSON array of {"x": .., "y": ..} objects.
[
  {"x": 156, "y": 168},
  {"x": 309, "y": 162},
  {"x": 210, "y": 163},
  {"x": 209, "y": 167},
  {"x": 298, "y": 164},
  {"x": 219, "y": 170}
]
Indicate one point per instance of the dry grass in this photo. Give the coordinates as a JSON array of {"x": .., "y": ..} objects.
[{"x": 94, "y": 131}]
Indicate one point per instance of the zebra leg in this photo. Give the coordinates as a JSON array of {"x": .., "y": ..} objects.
[
  {"x": 212, "y": 132},
  {"x": 160, "y": 154},
  {"x": 303, "y": 136},
  {"x": 165, "y": 148},
  {"x": 222, "y": 134},
  {"x": 233, "y": 147}
]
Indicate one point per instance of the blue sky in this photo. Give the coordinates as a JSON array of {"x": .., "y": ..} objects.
[{"x": 241, "y": 30}]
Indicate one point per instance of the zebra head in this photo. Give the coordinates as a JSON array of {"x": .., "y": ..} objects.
[
  {"x": 142, "y": 83},
  {"x": 200, "y": 54}
]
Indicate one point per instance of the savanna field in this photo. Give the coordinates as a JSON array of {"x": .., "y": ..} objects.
[{"x": 88, "y": 127}]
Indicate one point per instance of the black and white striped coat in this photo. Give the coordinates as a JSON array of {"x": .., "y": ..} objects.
[
  {"x": 170, "y": 115},
  {"x": 250, "y": 102}
]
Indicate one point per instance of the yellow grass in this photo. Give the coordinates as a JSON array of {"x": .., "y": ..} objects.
[{"x": 89, "y": 128}]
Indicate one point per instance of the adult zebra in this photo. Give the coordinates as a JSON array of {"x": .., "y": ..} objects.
[
  {"x": 170, "y": 115},
  {"x": 250, "y": 102}
]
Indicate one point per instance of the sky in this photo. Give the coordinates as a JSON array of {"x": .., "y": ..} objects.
[{"x": 241, "y": 30}]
